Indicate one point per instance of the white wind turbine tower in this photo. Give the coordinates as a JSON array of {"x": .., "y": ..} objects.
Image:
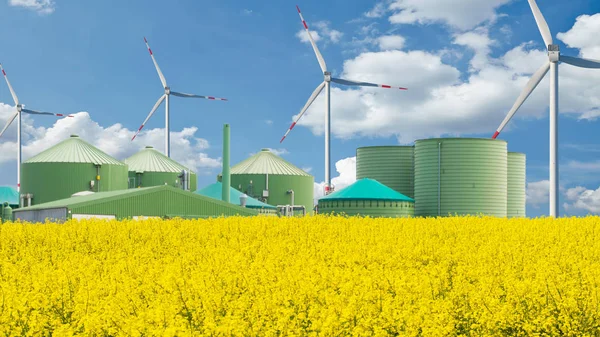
[
  {"x": 327, "y": 84},
  {"x": 554, "y": 58},
  {"x": 20, "y": 109},
  {"x": 165, "y": 97}
]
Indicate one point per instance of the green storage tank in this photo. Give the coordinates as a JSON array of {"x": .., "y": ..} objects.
[
  {"x": 516, "y": 185},
  {"x": 271, "y": 179},
  {"x": 392, "y": 166},
  {"x": 70, "y": 167},
  {"x": 460, "y": 176},
  {"x": 149, "y": 168},
  {"x": 367, "y": 197}
]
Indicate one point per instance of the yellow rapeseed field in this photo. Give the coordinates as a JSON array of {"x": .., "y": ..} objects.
[{"x": 262, "y": 276}]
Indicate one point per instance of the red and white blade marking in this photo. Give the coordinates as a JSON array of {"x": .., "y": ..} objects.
[
  {"x": 306, "y": 106},
  {"x": 12, "y": 92},
  {"x": 390, "y": 87},
  {"x": 312, "y": 42},
  {"x": 287, "y": 132},
  {"x": 160, "y": 74},
  {"x": 495, "y": 135}
]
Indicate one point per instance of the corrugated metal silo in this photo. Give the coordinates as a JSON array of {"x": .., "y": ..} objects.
[
  {"x": 271, "y": 179},
  {"x": 460, "y": 176},
  {"x": 516, "y": 185},
  {"x": 149, "y": 168},
  {"x": 69, "y": 167},
  {"x": 392, "y": 166}
]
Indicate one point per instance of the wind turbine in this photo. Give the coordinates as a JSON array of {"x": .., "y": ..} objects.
[
  {"x": 554, "y": 57},
  {"x": 327, "y": 85},
  {"x": 20, "y": 109},
  {"x": 165, "y": 97}
]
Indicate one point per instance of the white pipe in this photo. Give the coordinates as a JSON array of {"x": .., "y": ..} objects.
[
  {"x": 167, "y": 134},
  {"x": 439, "y": 177},
  {"x": 327, "y": 132},
  {"x": 28, "y": 199},
  {"x": 292, "y": 193},
  {"x": 554, "y": 139}
]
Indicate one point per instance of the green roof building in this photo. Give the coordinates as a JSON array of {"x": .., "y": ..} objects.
[
  {"x": 367, "y": 197},
  {"x": 9, "y": 195},
  {"x": 215, "y": 191},
  {"x": 273, "y": 180},
  {"x": 150, "y": 167},
  {"x": 158, "y": 201},
  {"x": 69, "y": 167}
]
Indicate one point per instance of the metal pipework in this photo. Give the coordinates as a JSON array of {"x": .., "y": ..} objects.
[{"x": 226, "y": 178}]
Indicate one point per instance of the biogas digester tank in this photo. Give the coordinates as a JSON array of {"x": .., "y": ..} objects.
[
  {"x": 69, "y": 167},
  {"x": 516, "y": 185},
  {"x": 463, "y": 176},
  {"x": 149, "y": 168},
  {"x": 269, "y": 178},
  {"x": 393, "y": 166}
]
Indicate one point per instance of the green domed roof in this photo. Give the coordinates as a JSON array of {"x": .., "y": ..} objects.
[
  {"x": 151, "y": 160},
  {"x": 267, "y": 162},
  {"x": 367, "y": 189},
  {"x": 74, "y": 150}
]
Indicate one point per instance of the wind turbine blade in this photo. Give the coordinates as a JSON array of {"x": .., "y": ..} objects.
[
  {"x": 197, "y": 96},
  {"x": 306, "y": 106},
  {"x": 580, "y": 62},
  {"x": 312, "y": 42},
  {"x": 149, "y": 115},
  {"x": 33, "y": 112},
  {"x": 541, "y": 23},
  {"x": 10, "y": 120},
  {"x": 364, "y": 84},
  {"x": 160, "y": 74},
  {"x": 12, "y": 92},
  {"x": 533, "y": 82}
]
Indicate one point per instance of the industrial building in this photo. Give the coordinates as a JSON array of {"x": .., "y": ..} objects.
[
  {"x": 270, "y": 179},
  {"x": 150, "y": 167},
  {"x": 69, "y": 167},
  {"x": 392, "y": 166},
  {"x": 158, "y": 201},
  {"x": 367, "y": 197},
  {"x": 215, "y": 191}
]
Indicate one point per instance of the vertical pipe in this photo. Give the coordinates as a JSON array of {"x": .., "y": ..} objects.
[
  {"x": 327, "y": 133},
  {"x": 19, "y": 149},
  {"x": 554, "y": 139},
  {"x": 226, "y": 180},
  {"x": 439, "y": 177},
  {"x": 167, "y": 133}
]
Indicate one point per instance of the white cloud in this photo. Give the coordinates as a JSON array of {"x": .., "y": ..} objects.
[
  {"x": 391, "y": 42},
  {"x": 277, "y": 152},
  {"x": 462, "y": 15},
  {"x": 440, "y": 100},
  {"x": 378, "y": 11},
  {"x": 537, "y": 193},
  {"x": 307, "y": 169},
  {"x": 247, "y": 11},
  {"x": 346, "y": 169},
  {"x": 320, "y": 31},
  {"x": 580, "y": 198},
  {"x": 40, "y": 6},
  {"x": 269, "y": 122},
  {"x": 584, "y": 36},
  {"x": 114, "y": 140}
]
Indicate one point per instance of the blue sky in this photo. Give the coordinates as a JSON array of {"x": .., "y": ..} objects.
[{"x": 464, "y": 66}]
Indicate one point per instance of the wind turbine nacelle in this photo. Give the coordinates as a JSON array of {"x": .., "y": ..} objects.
[{"x": 553, "y": 52}]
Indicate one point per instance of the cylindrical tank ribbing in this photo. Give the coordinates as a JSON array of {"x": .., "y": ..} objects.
[
  {"x": 371, "y": 208},
  {"x": 226, "y": 175},
  {"x": 516, "y": 184},
  {"x": 460, "y": 176},
  {"x": 392, "y": 166}
]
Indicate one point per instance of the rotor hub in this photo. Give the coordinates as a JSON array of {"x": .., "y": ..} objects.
[
  {"x": 19, "y": 107},
  {"x": 167, "y": 90},
  {"x": 327, "y": 76},
  {"x": 554, "y": 52}
]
